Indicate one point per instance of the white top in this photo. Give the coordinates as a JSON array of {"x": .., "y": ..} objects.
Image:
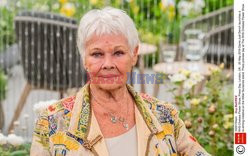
[{"x": 123, "y": 145}]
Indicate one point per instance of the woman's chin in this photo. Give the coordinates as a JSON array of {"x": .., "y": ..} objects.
[{"x": 110, "y": 86}]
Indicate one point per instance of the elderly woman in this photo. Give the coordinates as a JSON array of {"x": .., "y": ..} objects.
[{"x": 107, "y": 117}]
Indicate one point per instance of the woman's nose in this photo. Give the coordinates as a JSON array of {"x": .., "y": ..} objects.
[{"x": 108, "y": 63}]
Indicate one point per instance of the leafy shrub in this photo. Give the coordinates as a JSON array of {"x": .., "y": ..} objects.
[{"x": 208, "y": 114}]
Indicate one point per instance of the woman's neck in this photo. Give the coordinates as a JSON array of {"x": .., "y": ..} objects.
[
  {"x": 117, "y": 103},
  {"x": 111, "y": 96}
]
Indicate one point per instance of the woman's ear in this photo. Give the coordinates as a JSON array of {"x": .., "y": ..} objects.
[{"x": 135, "y": 55}]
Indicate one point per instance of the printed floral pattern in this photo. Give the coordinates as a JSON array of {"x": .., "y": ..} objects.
[
  {"x": 68, "y": 103},
  {"x": 52, "y": 126}
]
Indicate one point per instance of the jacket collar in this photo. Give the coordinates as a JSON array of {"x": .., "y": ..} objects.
[{"x": 84, "y": 125}]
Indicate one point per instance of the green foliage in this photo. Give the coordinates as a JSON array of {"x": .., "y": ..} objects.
[
  {"x": 212, "y": 5},
  {"x": 10, "y": 150},
  {"x": 3, "y": 85},
  {"x": 209, "y": 114},
  {"x": 7, "y": 36}
]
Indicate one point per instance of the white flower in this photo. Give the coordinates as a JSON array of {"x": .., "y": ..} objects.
[
  {"x": 167, "y": 3},
  {"x": 197, "y": 6},
  {"x": 199, "y": 3},
  {"x": 177, "y": 77},
  {"x": 185, "y": 72},
  {"x": 196, "y": 9},
  {"x": 188, "y": 84},
  {"x": 15, "y": 140},
  {"x": 55, "y": 6},
  {"x": 214, "y": 70},
  {"x": 195, "y": 101},
  {"x": 184, "y": 7},
  {"x": 227, "y": 117},
  {"x": 41, "y": 7},
  {"x": 193, "y": 7},
  {"x": 42, "y": 105},
  {"x": 3, "y": 139},
  {"x": 197, "y": 77},
  {"x": 228, "y": 125},
  {"x": 44, "y": 8}
]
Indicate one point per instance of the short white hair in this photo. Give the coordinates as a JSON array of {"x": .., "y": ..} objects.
[{"x": 106, "y": 21}]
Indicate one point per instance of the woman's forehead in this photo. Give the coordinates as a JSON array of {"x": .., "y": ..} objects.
[{"x": 114, "y": 40}]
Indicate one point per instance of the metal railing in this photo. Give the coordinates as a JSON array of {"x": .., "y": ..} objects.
[{"x": 218, "y": 27}]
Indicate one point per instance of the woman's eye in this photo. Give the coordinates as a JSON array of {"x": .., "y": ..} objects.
[
  {"x": 96, "y": 54},
  {"x": 119, "y": 53}
]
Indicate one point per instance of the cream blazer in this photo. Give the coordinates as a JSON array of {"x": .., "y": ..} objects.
[{"x": 69, "y": 128}]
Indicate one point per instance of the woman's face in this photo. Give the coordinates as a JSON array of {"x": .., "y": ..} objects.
[{"x": 108, "y": 60}]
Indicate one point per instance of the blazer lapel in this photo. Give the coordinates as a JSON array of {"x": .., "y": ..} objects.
[
  {"x": 81, "y": 117},
  {"x": 99, "y": 147},
  {"x": 143, "y": 133},
  {"x": 83, "y": 125},
  {"x": 146, "y": 123}
]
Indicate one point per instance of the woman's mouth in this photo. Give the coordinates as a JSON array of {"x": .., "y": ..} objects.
[{"x": 108, "y": 76}]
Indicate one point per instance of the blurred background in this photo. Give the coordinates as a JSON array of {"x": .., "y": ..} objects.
[{"x": 189, "y": 43}]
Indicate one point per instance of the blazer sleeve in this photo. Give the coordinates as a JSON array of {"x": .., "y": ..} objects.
[
  {"x": 186, "y": 143},
  {"x": 40, "y": 140}
]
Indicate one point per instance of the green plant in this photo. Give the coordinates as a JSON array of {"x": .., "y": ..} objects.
[
  {"x": 7, "y": 36},
  {"x": 207, "y": 114},
  {"x": 3, "y": 85},
  {"x": 212, "y": 5},
  {"x": 10, "y": 150},
  {"x": 13, "y": 145}
]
